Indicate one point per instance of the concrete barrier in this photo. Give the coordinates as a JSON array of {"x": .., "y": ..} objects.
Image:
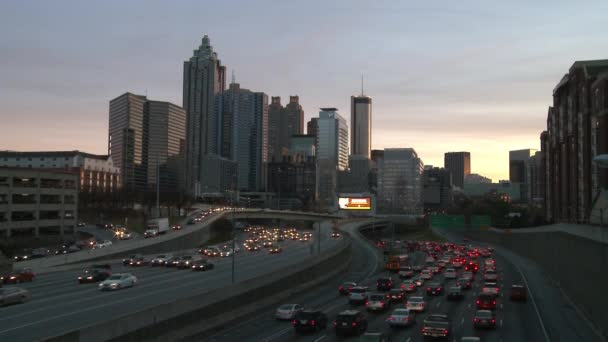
[
  {"x": 578, "y": 266},
  {"x": 164, "y": 322}
]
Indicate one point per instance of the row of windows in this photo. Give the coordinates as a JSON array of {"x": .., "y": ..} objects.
[{"x": 41, "y": 159}]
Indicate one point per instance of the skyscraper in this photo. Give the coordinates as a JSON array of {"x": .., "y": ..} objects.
[
  {"x": 248, "y": 112},
  {"x": 459, "y": 164},
  {"x": 126, "y": 139},
  {"x": 332, "y": 153},
  {"x": 275, "y": 118},
  {"x": 400, "y": 181},
  {"x": 360, "y": 125},
  {"x": 519, "y": 161},
  {"x": 204, "y": 78},
  {"x": 283, "y": 122},
  {"x": 311, "y": 127}
]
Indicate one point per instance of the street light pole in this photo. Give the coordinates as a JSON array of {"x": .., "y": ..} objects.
[
  {"x": 157, "y": 186},
  {"x": 233, "y": 233}
]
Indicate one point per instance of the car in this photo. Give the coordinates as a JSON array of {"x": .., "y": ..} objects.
[
  {"x": 484, "y": 319},
  {"x": 212, "y": 251},
  {"x": 139, "y": 261},
  {"x": 267, "y": 244},
  {"x": 309, "y": 320},
  {"x": 160, "y": 260},
  {"x": 118, "y": 281},
  {"x": 384, "y": 284},
  {"x": 202, "y": 265},
  {"x": 176, "y": 227},
  {"x": 288, "y": 311},
  {"x": 468, "y": 275},
  {"x": 358, "y": 295},
  {"x": 486, "y": 302},
  {"x": 81, "y": 224},
  {"x": 417, "y": 268},
  {"x": 94, "y": 274},
  {"x": 127, "y": 261},
  {"x": 455, "y": 293},
  {"x": 426, "y": 274},
  {"x": 490, "y": 288},
  {"x": 102, "y": 244},
  {"x": 253, "y": 247},
  {"x": 26, "y": 254},
  {"x": 401, "y": 318},
  {"x": 518, "y": 293},
  {"x": 374, "y": 337},
  {"x": 490, "y": 275},
  {"x": 464, "y": 283},
  {"x": 449, "y": 273},
  {"x": 396, "y": 295},
  {"x": 405, "y": 272},
  {"x": 13, "y": 295},
  {"x": 377, "y": 302},
  {"x": 434, "y": 289},
  {"x": 18, "y": 276},
  {"x": 415, "y": 304},
  {"x": 435, "y": 269},
  {"x": 150, "y": 233},
  {"x": 436, "y": 325},
  {"x": 345, "y": 288},
  {"x": 472, "y": 267},
  {"x": 185, "y": 262},
  {"x": 335, "y": 235},
  {"x": 173, "y": 261},
  {"x": 350, "y": 322},
  {"x": 125, "y": 236},
  {"x": 408, "y": 286},
  {"x": 65, "y": 249},
  {"x": 275, "y": 250},
  {"x": 418, "y": 280}
]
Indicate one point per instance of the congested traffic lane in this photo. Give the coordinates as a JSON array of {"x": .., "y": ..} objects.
[{"x": 60, "y": 304}]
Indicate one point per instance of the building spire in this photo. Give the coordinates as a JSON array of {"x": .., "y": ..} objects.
[
  {"x": 362, "y": 93},
  {"x": 233, "y": 77}
]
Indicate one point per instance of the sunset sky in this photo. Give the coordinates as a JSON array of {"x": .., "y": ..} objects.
[{"x": 444, "y": 75}]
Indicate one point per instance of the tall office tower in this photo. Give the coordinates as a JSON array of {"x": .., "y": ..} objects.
[
  {"x": 361, "y": 125},
  {"x": 436, "y": 189},
  {"x": 126, "y": 139},
  {"x": 332, "y": 153},
  {"x": 294, "y": 120},
  {"x": 400, "y": 181},
  {"x": 146, "y": 136},
  {"x": 248, "y": 111},
  {"x": 459, "y": 164},
  {"x": 204, "y": 78},
  {"x": 283, "y": 122},
  {"x": 165, "y": 136},
  {"x": 275, "y": 118},
  {"x": 519, "y": 162},
  {"x": 311, "y": 127}
]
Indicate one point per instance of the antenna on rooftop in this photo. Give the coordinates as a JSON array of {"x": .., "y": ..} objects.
[
  {"x": 233, "y": 77},
  {"x": 362, "y": 93}
]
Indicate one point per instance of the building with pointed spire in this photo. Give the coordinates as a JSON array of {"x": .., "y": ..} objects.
[
  {"x": 361, "y": 124},
  {"x": 204, "y": 79}
]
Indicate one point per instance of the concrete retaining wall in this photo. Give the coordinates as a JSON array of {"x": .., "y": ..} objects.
[
  {"x": 155, "y": 324},
  {"x": 578, "y": 265}
]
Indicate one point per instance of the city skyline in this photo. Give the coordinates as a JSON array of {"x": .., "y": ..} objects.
[{"x": 476, "y": 107}]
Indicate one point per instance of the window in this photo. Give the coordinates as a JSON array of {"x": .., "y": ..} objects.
[
  {"x": 18, "y": 159},
  {"x": 42, "y": 159},
  {"x": 29, "y": 159}
]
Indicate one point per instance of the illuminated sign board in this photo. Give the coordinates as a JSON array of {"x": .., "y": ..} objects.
[{"x": 355, "y": 203}]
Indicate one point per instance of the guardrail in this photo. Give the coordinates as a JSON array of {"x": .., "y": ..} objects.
[{"x": 196, "y": 314}]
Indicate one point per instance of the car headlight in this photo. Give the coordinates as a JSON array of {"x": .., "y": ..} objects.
[
  {"x": 90, "y": 278},
  {"x": 79, "y": 278},
  {"x": 13, "y": 278},
  {"x": 114, "y": 285},
  {"x": 100, "y": 285}
]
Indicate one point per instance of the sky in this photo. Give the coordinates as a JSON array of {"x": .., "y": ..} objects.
[{"x": 445, "y": 76}]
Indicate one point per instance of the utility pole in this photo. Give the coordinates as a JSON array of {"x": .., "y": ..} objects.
[
  {"x": 157, "y": 186},
  {"x": 233, "y": 232}
]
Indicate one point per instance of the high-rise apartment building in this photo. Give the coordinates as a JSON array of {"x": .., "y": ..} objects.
[
  {"x": 146, "y": 136},
  {"x": 332, "y": 153},
  {"x": 577, "y": 133},
  {"x": 436, "y": 189},
  {"x": 361, "y": 125},
  {"x": 459, "y": 165},
  {"x": 204, "y": 78},
  {"x": 248, "y": 112},
  {"x": 400, "y": 181}
]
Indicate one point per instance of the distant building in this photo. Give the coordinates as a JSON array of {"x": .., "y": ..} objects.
[
  {"x": 312, "y": 126},
  {"x": 475, "y": 178},
  {"x": 519, "y": 161},
  {"x": 510, "y": 191},
  {"x": 204, "y": 78},
  {"x": 332, "y": 153},
  {"x": 293, "y": 182},
  {"x": 400, "y": 181},
  {"x": 436, "y": 189},
  {"x": 361, "y": 125},
  {"x": 283, "y": 122},
  {"x": 535, "y": 180},
  {"x": 357, "y": 178},
  {"x": 459, "y": 165},
  {"x": 97, "y": 173},
  {"x": 302, "y": 145},
  {"x": 37, "y": 202},
  {"x": 221, "y": 176}
]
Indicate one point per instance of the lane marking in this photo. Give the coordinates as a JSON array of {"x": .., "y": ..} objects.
[
  {"x": 540, "y": 320},
  {"x": 500, "y": 306},
  {"x": 438, "y": 304},
  {"x": 469, "y": 305},
  {"x": 275, "y": 335},
  {"x": 462, "y": 321},
  {"x": 501, "y": 323},
  {"x": 408, "y": 339},
  {"x": 320, "y": 338}
]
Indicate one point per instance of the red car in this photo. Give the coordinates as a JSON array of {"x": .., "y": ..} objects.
[{"x": 19, "y": 276}]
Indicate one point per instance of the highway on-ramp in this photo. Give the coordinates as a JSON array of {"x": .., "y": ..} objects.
[{"x": 59, "y": 304}]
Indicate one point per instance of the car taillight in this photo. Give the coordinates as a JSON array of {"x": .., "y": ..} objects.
[
  {"x": 312, "y": 322},
  {"x": 428, "y": 289},
  {"x": 335, "y": 323},
  {"x": 391, "y": 318},
  {"x": 341, "y": 288},
  {"x": 475, "y": 320},
  {"x": 423, "y": 329},
  {"x": 366, "y": 302},
  {"x": 493, "y": 321},
  {"x": 439, "y": 289},
  {"x": 477, "y": 302},
  {"x": 445, "y": 331},
  {"x": 402, "y": 286},
  {"x": 294, "y": 322},
  {"x": 494, "y": 302},
  {"x": 354, "y": 324},
  {"x": 382, "y": 303}
]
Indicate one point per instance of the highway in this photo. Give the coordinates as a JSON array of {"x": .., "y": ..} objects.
[
  {"x": 59, "y": 304},
  {"x": 546, "y": 318}
]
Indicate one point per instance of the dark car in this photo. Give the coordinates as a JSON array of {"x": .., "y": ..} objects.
[
  {"x": 173, "y": 261},
  {"x": 345, "y": 288},
  {"x": 128, "y": 260},
  {"x": 464, "y": 283},
  {"x": 19, "y": 276},
  {"x": 434, "y": 289},
  {"x": 486, "y": 302},
  {"x": 397, "y": 295},
  {"x": 186, "y": 262},
  {"x": 455, "y": 293},
  {"x": 309, "y": 320},
  {"x": 350, "y": 322},
  {"x": 484, "y": 319},
  {"x": 417, "y": 268},
  {"x": 139, "y": 261},
  {"x": 94, "y": 274},
  {"x": 384, "y": 284},
  {"x": 518, "y": 293},
  {"x": 202, "y": 265}
]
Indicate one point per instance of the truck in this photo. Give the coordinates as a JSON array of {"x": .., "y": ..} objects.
[
  {"x": 436, "y": 325},
  {"x": 395, "y": 262},
  {"x": 159, "y": 225}
]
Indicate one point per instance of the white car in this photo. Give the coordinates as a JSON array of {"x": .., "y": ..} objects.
[
  {"x": 105, "y": 243},
  {"x": 426, "y": 274},
  {"x": 450, "y": 273},
  {"x": 118, "y": 281},
  {"x": 490, "y": 288},
  {"x": 288, "y": 311},
  {"x": 377, "y": 302},
  {"x": 358, "y": 294},
  {"x": 415, "y": 304},
  {"x": 401, "y": 318},
  {"x": 160, "y": 260}
]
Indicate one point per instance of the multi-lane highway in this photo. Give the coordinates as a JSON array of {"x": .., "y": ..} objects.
[
  {"x": 60, "y": 304},
  {"x": 531, "y": 321}
]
